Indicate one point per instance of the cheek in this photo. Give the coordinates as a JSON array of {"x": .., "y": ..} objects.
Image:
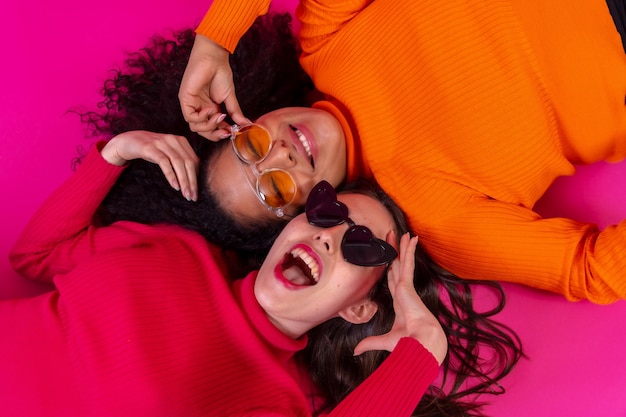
[
  {"x": 230, "y": 187},
  {"x": 294, "y": 231},
  {"x": 360, "y": 283},
  {"x": 334, "y": 164}
]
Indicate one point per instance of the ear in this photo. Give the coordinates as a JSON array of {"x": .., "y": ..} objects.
[{"x": 359, "y": 313}]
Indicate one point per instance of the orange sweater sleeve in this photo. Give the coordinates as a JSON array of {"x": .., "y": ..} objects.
[
  {"x": 479, "y": 237},
  {"x": 227, "y": 20}
]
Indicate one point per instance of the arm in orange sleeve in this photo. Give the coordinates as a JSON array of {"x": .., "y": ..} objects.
[
  {"x": 208, "y": 80},
  {"x": 227, "y": 20},
  {"x": 489, "y": 239}
]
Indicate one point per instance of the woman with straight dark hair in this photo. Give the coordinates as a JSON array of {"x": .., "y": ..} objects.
[{"x": 144, "y": 321}]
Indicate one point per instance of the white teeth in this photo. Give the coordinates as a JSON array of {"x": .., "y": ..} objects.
[
  {"x": 308, "y": 260},
  {"x": 304, "y": 142}
]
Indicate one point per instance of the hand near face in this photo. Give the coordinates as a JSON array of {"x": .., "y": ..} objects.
[
  {"x": 413, "y": 319},
  {"x": 172, "y": 153},
  {"x": 208, "y": 82}
]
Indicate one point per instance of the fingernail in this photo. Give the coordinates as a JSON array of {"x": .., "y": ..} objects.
[
  {"x": 220, "y": 119},
  {"x": 225, "y": 135}
]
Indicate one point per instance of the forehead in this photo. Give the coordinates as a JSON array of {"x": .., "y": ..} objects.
[
  {"x": 290, "y": 113},
  {"x": 367, "y": 211}
]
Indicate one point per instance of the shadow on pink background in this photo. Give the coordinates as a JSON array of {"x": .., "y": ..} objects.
[{"x": 57, "y": 56}]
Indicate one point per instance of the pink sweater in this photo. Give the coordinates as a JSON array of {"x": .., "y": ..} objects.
[{"x": 143, "y": 323}]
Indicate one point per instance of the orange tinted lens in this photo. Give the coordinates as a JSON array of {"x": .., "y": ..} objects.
[
  {"x": 252, "y": 143},
  {"x": 276, "y": 188}
]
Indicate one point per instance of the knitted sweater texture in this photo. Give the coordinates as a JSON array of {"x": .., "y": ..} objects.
[
  {"x": 142, "y": 322},
  {"x": 465, "y": 111}
]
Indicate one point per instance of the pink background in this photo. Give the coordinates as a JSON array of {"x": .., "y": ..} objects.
[{"x": 56, "y": 57}]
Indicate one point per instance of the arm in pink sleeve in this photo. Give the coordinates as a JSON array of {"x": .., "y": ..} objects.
[
  {"x": 60, "y": 232},
  {"x": 396, "y": 387}
]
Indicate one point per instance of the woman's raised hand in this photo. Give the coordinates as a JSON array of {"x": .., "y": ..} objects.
[
  {"x": 208, "y": 82},
  {"x": 172, "y": 153},
  {"x": 413, "y": 319}
]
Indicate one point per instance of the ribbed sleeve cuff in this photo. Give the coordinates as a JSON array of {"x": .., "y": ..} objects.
[
  {"x": 227, "y": 20},
  {"x": 397, "y": 386}
]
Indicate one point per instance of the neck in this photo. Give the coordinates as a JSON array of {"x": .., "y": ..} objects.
[{"x": 292, "y": 329}]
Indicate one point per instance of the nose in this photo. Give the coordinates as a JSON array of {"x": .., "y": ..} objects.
[
  {"x": 280, "y": 156},
  {"x": 330, "y": 239}
]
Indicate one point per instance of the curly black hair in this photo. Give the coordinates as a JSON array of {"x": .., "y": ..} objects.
[{"x": 143, "y": 95}]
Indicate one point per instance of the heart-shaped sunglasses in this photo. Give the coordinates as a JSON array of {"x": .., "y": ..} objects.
[{"x": 359, "y": 246}]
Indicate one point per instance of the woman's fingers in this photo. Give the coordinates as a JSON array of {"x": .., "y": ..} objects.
[
  {"x": 214, "y": 129},
  {"x": 207, "y": 84},
  {"x": 413, "y": 319},
  {"x": 400, "y": 281},
  {"x": 197, "y": 109},
  {"x": 172, "y": 153},
  {"x": 179, "y": 165},
  {"x": 403, "y": 267},
  {"x": 232, "y": 107},
  {"x": 383, "y": 342}
]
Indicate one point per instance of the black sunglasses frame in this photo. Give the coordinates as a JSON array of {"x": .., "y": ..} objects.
[{"x": 359, "y": 246}]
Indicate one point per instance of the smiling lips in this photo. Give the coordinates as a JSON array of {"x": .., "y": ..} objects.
[
  {"x": 305, "y": 144},
  {"x": 300, "y": 268}
]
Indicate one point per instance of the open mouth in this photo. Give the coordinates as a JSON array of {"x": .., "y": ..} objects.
[{"x": 300, "y": 268}]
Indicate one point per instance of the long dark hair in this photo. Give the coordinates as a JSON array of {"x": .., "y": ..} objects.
[
  {"x": 143, "y": 95},
  {"x": 481, "y": 351}
]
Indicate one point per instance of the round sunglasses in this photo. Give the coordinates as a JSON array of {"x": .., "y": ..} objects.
[
  {"x": 359, "y": 246},
  {"x": 275, "y": 187}
]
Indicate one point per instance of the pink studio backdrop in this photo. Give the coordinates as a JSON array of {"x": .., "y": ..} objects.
[{"x": 56, "y": 57}]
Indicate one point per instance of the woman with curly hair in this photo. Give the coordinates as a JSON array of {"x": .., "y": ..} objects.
[{"x": 143, "y": 96}]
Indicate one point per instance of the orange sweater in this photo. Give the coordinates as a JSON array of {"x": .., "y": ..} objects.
[{"x": 466, "y": 112}]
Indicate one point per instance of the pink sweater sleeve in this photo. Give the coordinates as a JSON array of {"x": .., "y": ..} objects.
[
  {"x": 60, "y": 233},
  {"x": 396, "y": 387}
]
